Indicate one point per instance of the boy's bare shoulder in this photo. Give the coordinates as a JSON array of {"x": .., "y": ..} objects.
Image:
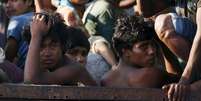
[{"x": 109, "y": 77}]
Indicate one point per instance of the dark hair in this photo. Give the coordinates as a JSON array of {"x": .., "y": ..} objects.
[
  {"x": 130, "y": 30},
  {"x": 77, "y": 38},
  {"x": 69, "y": 37}
]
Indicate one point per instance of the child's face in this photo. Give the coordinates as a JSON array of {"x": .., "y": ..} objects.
[
  {"x": 78, "y": 54},
  {"x": 50, "y": 53},
  {"x": 142, "y": 53},
  {"x": 16, "y": 7}
]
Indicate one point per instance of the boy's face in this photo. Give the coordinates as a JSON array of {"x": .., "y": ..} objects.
[
  {"x": 50, "y": 53},
  {"x": 142, "y": 54},
  {"x": 17, "y": 7},
  {"x": 78, "y": 54}
]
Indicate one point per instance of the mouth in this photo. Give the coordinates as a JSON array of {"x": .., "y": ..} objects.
[
  {"x": 48, "y": 61},
  {"x": 151, "y": 60},
  {"x": 9, "y": 12}
]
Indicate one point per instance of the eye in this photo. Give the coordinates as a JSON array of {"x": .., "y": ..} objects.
[{"x": 144, "y": 46}]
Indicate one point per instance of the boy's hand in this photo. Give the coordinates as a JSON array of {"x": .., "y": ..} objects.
[
  {"x": 177, "y": 92},
  {"x": 39, "y": 27}
]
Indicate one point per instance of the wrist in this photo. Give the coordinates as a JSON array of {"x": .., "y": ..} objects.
[
  {"x": 37, "y": 37},
  {"x": 184, "y": 80}
]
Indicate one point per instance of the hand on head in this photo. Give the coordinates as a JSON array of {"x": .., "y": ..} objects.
[{"x": 40, "y": 25}]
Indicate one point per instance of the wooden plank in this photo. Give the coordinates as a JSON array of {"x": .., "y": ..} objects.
[{"x": 20, "y": 92}]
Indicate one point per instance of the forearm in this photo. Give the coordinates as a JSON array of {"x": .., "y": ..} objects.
[
  {"x": 38, "y": 5},
  {"x": 104, "y": 50},
  {"x": 86, "y": 78},
  {"x": 32, "y": 64},
  {"x": 127, "y": 3},
  {"x": 193, "y": 64}
]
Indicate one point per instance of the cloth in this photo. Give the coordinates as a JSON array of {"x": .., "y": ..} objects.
[
  {"x": 15, "y": 28},
  {"x": 66, "y": 3},
  {"x": 2, "y": 40},
  {"x": 14, "y": 73},
  {"x": 97, "y": 66},
  {"x": 184, "y": 27},
  {"x": 99, "y": 18}
]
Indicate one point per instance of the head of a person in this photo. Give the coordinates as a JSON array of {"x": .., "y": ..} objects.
[
  {"x": 54, "y": 42},
  {"x": 78, "y": 46},
  {"x": 18, "y": 7},
  {"x": 133, "y": 41},
  {"x": 148, "y": 8}
]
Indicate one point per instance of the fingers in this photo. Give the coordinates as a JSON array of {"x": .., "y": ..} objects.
[
  {"x": 175, "y": 94},
  {"x": 39, "y": 17},
  {"x": 180, "y": 93},
  {"x": 171, "y": 92},
  {"x": 49, "y": 23},
  {"x": 166, "y": 88}
]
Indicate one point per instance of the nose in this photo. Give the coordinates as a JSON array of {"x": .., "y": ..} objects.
[
  {"x": 80, "y": 59},
  {"x": 46, "y": 52},
  {"x": 151, "y": 50},
  {"x": 8, "y": 4}
]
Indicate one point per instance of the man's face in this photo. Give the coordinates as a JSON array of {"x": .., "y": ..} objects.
[
  {"x": 78, "y": 54},
  {"x": 16, "y": 7},
  {"x": 50, "y": 54},
  {"x": 142, "y": 54}
]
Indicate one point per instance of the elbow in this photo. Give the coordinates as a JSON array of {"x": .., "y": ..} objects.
[{"x": 32, "y": 80}]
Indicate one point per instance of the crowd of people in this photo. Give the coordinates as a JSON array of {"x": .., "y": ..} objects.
[{"x": 109, "y": 43}]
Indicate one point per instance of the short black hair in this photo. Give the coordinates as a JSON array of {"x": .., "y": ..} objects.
[
  {"x": 68, "y": 37},
  {"x": 128, "y": 31},
  {"x": 77, "y": 38}
]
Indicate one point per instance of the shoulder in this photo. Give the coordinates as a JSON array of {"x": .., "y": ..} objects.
[
  {"x": 163, "y": 23},
  {"x": 146, "y": 77},
  {"x": 162, "y": 19},
  {"x": 24, "y": 17},
  {"x": 20, "y": 20},
  {"x": 109, "y": 77}
]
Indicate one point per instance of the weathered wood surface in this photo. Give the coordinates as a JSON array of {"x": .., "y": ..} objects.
[
  {"x": 21, "y": 92},
  {"x": 10, "y": 92}
]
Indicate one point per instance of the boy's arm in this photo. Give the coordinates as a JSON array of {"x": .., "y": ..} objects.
[
  {"x": 33, "y": 71},
  {"x": 86, "y": 78}
]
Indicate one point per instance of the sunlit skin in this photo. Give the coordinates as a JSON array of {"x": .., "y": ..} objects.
[
  {"x": 136, "y": 68},
  {"x": 142, "y": 54}
]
